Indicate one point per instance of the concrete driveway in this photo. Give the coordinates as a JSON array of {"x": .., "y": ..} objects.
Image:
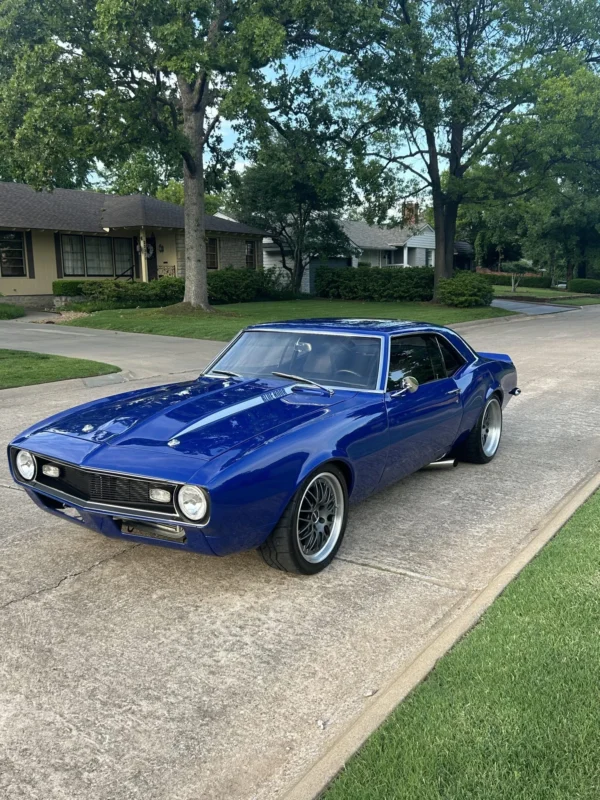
[{"x": 130, "y": 671}]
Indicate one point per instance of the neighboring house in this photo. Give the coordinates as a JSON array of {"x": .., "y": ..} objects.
[
  {"x": 69, "y": 233},
  {"x": 412, "y": 246}
]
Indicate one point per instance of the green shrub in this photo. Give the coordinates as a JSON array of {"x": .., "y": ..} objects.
[
  {"x": 505, "y": 280},
  {"x": 129, "y": 294},
  {"x": 66, "y": 287},
  {"x": 233, "y": 285},
  {"x": 8, "y": 311},
  {"x": 465, "y": 290},
  {"x": 375, "y": 283},
  {"x": 224, "y": 286},
  {"x": 585, "y": 285}
]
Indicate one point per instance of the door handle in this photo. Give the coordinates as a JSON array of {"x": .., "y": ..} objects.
[{"x": 453, "y": 391}]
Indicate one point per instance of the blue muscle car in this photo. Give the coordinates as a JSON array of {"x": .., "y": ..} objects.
[{"x": 266, "y": 449}]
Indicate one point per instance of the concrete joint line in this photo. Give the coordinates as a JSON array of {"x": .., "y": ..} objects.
[
  {"x": 320, "y": 775},
  {"x": 66, "y": 577},
  {"x": 13, "y": 487},
  {"x": 418, "y": 576}
]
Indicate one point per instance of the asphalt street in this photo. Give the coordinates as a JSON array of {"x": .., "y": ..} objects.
[{"x": 129, "y": 671}]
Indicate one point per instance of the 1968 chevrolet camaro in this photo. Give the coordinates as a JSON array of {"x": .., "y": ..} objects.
[{"x": 287, "y": 426}]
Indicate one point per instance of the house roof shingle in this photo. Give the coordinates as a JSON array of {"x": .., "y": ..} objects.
[
  {"x": 371, "y": 237},
  {"x": 91, "y": 212}
]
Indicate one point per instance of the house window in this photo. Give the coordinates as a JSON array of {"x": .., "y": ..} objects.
[
  {"x": 72, "y": 256},
  {"x": 428, "y": 258},
  {"x": 212, "y": 254},
  {"x": 123, "y": 258},
  {"x": 12, "y": 254},
  {"x": 251, "y": 255},
  {"x": 98, "y": 256}
]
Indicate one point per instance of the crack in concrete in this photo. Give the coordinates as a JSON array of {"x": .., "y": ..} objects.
[
  {"x": 408, "y": 574},
  {"x": 45, "y": 589},
  {"x": 13, "y": 487}
]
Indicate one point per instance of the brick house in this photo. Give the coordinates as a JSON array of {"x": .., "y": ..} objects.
[{"x": 70, "y": 233}]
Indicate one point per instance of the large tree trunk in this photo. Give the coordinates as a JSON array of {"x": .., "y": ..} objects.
[
  {"x": 196, "y": 288},
  {"x": 450, "y": 216},
  {"x": 443, "y": 228},
  {"x": 298, "y": 271},
  {"x": 444, "y": 247},
  {"x": 582, "y": 261}
]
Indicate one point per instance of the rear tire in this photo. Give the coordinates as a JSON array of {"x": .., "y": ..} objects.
[
  {"x": 312, "y": 527},
  {"x": 484, "y": 440}
]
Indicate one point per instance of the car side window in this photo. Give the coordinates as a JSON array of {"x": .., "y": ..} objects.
[
  {"x": 418, "y": 356},
  {"x": 452, "y": 359}
]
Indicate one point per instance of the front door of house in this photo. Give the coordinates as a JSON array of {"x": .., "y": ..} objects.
[{"x": 151, "y": 258}]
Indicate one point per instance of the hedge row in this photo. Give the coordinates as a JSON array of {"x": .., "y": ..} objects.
[
  {"x": 374, "y": 283},
  {"x": 224, "y": 286},
  {"x": 505, "y": 280},
  {"x": 585, "y": 285}
]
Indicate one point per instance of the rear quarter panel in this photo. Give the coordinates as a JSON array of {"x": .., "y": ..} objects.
[{"x": 487, "y": 374}]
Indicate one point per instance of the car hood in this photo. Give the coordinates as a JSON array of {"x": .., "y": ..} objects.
[{"x": 203, "y": 418}]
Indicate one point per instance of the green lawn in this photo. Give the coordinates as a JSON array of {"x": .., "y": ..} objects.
[
  {"x": 513, "y": 711},
  {"x": 9, "y": 311},
  {"x": 226, "y": 321},
  {"x": 561, "y": 296},
  {"x": 22, "y": 368},
  {"x": 581, "y": 300}
]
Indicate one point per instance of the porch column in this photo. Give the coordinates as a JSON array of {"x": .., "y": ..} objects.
[
  {"x": 143, "y": 258},
  {"x": 405, "y": 255}
]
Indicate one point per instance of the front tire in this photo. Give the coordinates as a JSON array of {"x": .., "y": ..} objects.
[
  {"x": 484, "y": 440},
  {"x": 312, "y": 527}
]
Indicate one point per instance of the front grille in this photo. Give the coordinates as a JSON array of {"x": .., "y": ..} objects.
[
  {"x": 105, "y": 488},
  {"x": 116, "y": 490}
]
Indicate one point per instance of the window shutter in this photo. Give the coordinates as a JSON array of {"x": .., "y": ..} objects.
[
  {"x": 29, "y": 249},
  {"x": 57, "y": 253}
]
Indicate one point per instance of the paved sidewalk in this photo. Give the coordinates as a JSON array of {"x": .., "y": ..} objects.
[{"x": 131, "y": 671}]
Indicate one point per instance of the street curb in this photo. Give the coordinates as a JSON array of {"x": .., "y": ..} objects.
[
  {"x": 518, "y": 316},
  {"x": 320, "y": 775}
]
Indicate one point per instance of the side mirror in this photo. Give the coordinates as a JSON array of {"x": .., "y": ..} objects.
[{"x": 409, "y": 385}]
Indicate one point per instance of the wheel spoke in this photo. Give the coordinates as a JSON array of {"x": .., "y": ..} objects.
[{"x": 320, "y": 517}]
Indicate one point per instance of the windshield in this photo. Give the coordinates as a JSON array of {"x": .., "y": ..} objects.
[{"x": 329, "y": 359}]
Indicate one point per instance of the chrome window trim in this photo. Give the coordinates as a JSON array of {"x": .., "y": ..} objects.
[{"x": 381, "y": 337}]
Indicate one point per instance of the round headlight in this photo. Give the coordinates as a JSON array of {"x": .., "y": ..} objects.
[
  {"x": 26, "y": 465},
  {"x": 192, "y": 502}
]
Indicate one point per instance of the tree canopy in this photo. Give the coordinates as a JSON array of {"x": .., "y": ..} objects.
[
  {"x": 94, "y": 81},
  {"x": 435, "y": 82}
]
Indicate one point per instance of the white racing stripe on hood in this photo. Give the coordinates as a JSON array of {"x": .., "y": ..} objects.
[{"x": 265, "y": 397}]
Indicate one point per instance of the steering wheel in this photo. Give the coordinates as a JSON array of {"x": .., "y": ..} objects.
[{"x": 348, "y": 372}]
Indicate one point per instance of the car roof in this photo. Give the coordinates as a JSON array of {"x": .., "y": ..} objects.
[{"x": 348, "y": 325}]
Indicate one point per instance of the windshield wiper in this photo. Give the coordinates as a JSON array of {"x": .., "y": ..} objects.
[
  {"x": 225, "y": 372},
  {"x": 303, "y": 380}
]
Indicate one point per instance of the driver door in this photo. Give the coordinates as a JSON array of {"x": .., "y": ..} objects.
[{"x": 422, "y": 425}]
